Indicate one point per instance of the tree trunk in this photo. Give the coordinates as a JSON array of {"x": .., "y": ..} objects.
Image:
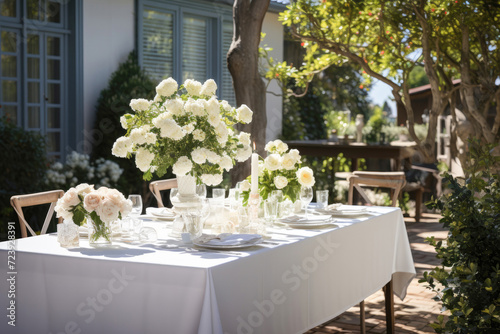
[{"x": 243, "y": 63}]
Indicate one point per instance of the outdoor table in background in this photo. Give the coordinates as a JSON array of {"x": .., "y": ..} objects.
[{"x": 354, "y": 151}]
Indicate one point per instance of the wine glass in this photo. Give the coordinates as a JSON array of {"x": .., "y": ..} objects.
[
  {"x": 306, "y": 196},
  {"x": 136, "y": 204},
  {"x": 173, "y": 195}
]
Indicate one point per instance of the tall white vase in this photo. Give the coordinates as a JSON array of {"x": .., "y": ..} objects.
[{"x": 185, "y": 200}]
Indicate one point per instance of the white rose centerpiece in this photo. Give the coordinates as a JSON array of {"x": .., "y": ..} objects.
[
  {"x": 281, "y": 170},
  {"x": 99, "y": 207},
  {"x": 186, "y": 128}
]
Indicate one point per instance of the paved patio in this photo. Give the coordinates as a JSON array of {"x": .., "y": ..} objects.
[{"x": 414, "y": 314}]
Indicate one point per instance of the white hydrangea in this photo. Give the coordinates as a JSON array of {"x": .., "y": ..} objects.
[
  {"x": 212, "y": 157},
  {"x": 169, "y": 128},
  {"x": 138, "y": 135},
  {"x": 199, "y": 155},
  {"x": 188, "y": 128},
  {"x": 244, "y": 114},
  {"x": 242, "y": 154},
  {"x": 244, "y": 138},
  {"x": 212, "y": 106},
  {"x": 150, "y": 138},
  {"x": 272, "y": 162},
  {"x": 167, "y": 87},
  {"x": 226, "y": 106},
  {"x": 182, "y": 166},
  {"x": 143, "y": 159},
  {"x": 214, "y": 119},
  {"x": 193, "y": 87},
  {"x": 175, "y": 106},
  {"x": 222, "y": 133},
  {"x": 280, "y": 182},
  {"x": 226, "y": 162},
  {"x": 199, "y": 135},
  {"x": 209, "y": 88},
  {"x": 122, "y": 147},
  {"x": 124, "y": 122},
  {"x": 211, "y": 179},
  {"x": 195, "y": 107},
  {"x": 139, "y": 104}
]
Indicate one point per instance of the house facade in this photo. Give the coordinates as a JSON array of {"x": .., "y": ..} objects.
[{"x": 57, "y": 56}]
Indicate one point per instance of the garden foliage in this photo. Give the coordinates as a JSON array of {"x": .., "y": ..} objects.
[{"x": 468, "y": 281}]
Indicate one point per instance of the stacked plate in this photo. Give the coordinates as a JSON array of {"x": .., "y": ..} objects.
[
  {"x": 161, "y": 213},
  {"x": 310, "y": 221},
  {"x": 227, "y": 241}
]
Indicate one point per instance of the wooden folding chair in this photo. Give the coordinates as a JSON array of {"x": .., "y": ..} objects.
[
  {"x": 395, "y": 181},
  {"x": 46, "y": 197},
  {"x": 157, "y": 186}
]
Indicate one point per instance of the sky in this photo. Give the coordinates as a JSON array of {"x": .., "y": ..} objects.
[{"x": 381, "y": 92}]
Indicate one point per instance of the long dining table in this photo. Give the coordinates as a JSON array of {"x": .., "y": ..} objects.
[{"x": 291, "y": 282}]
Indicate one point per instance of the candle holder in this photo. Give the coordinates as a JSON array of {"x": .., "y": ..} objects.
[{"x": 254, "y": 202}]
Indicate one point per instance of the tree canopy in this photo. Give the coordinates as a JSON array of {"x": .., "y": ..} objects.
[{"x": 450, "y": 39}]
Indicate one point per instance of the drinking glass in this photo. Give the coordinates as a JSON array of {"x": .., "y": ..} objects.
[
  {"x": 201, "y": 190},
  {"x": 306, "y": 196},
  {"x": 322, "y": 198},
  {"x": 148, "y": 234},
  {"x": 270, "y": 210},
  {"x": 173, "y": 195},
  {"x": 219, "y": 193},
  {"x": 278, "y": 195},
  {"x": 136, "y": 204}
]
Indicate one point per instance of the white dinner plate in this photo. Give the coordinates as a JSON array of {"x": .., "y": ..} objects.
[
  {"x": 312, "y": 223},
  {"x": 232, "y": 241}
]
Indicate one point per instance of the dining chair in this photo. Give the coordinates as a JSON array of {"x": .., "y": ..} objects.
[
  {"x": 359, "y": 180},
  {"x": 18, "y": 202},
  {"x": 160, "y": 185}
]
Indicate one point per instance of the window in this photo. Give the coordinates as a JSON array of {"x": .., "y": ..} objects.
[
  {"x": 33, "y": 67},
  {"x": 186, "y": 40}
]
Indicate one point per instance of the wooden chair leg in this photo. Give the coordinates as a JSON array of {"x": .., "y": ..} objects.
[
  {"x": 389, "y": 308},
  {"x": 418, "y": 204},
  {"x": 362, "y": 317}
]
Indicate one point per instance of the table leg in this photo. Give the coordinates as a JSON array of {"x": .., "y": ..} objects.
[
  {"x": 362, "y": 323},
  {"x": 389, "y": 308}
]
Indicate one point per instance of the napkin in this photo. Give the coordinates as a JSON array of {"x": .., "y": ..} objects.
[
  {"x": 227, "y": 239},
  {"x": 160, "y": 212},
  {"x": 338, "y": 209},
  {"x": 309, "y": 219}
]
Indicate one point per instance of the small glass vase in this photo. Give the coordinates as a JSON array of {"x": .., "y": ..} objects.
[{"x": 99, "y": 233}]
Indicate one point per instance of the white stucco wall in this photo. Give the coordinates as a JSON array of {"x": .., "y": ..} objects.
[
  {"x": 274, "y": 104},
  {"x": 108, "y": 38}
]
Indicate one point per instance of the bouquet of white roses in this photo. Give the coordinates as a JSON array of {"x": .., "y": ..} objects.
[
  {"x": 280, "y": 170},
  {"x": 103, "y": 205},
  {"x": 185, "y": 128}
]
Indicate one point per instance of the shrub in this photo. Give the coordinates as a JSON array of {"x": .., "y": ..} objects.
[
  {"x": 23, "y": 166},
  {"x": 468, "y": 281}
]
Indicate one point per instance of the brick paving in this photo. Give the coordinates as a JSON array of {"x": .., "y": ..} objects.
[{"x": 418, "y": 310}]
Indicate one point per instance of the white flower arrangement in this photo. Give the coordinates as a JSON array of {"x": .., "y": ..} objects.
[
  {"x": 280, "y": 170},
  {"x": 185, "y": 128}
]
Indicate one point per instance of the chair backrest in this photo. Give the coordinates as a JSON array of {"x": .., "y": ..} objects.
[
  {"x": 18, "y": 202},
  {"x": 157, "y": 186},
  {"x": 389, "y": 180}
]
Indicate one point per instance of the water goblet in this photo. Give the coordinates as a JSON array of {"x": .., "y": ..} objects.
[
  {"x": 173, "y": 195},
  {"x": 322, "y": 198},
  {"x": 136, "y": 204},
  {"x": 306, "y": 196}
]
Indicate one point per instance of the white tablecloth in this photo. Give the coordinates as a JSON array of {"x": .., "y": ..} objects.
[{"x": 309, "y": 278}]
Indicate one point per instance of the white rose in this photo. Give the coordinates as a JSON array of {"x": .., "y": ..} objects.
[
  {"x": 242, "y": 154},
  {"x": 61, "y": 211},
  {"x": 122, "y": 147},
  {"x": 199, "y": 135},
  {"x": 272, "y": 162},
  {"x": 281, "y": 147},
  {"x": 305, "y": 177},
  {"x": 143, "y": 159},
  {"x": 211, "y": 179},
  {"x": 195, "y": 107},
  {"x": 199, "y": 155},
  {"x": 193, "y": 87},
  {"x": 244, "y": 138},
  {"x": 167, "y": 87},
  {"x": 244, "y": 114},
  {"x": 126, "y": 207},
  {"x": 288, "y": 161},
  {"x": 139, "y": 104},
  {"x": 209, "y": 88},
  {"x": 280, "y": 182},
  {"x": 212, "y": 157},
  {"x": 295, "y": 154},
  {"x": 182, "y": 166},
  {"x": 70, "y": 198},
  {"x": 245, "y": 185},
  {"x": 226, "y": 162},
  {"x": 270, "y": 147},
  {"x": 84, "y": 188},
  {"x": 176, "y": 106},
  {"x": 188, "y": 128}
]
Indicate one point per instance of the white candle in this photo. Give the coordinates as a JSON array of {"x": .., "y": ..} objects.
[{"x": 255, "y": 173}]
